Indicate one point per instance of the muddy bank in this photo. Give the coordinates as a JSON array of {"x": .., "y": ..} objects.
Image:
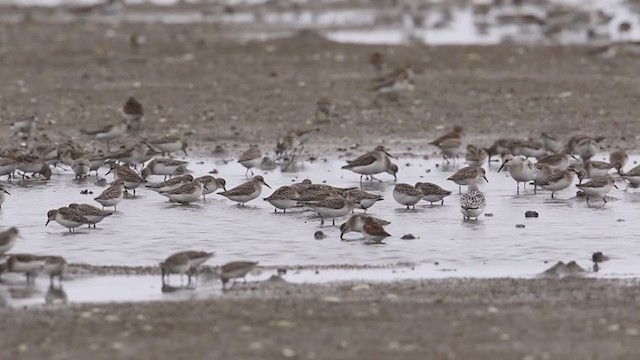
[
  {"x": 461, "y": 319},
  {"x": 224, "y": 93}
]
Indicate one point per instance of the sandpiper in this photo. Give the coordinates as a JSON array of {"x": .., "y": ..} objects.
[
  {"x": 318, "y": 195},
  {"x": 392, "y": 87},
  {"x": 521, "y": 170},
  {"x": 250, "y": 159},
  {"x": 543, "y": 171},
  {"x": 475, "y": 156},
  {"x": 132, "y": 111},
  {"x": 28, "y": 264},
  {"x": 186, "y": 193},
  {"x": 285, "y": 197},
  {"x": 235, "y": 270},
  {"x": 8, "y": 239},
  {"x": 530, "y": 148},
  {"x": 619, "y": 159},
  {"x": 287, "y": 145},
  {"x": 109, "y": 132},
  {"x": 449, "y": 148},
  {"x": 583, "y": 145},
  {"x": 325, "y": 106},
  {"x": 472, "y": 203},
  {"x": 407, "y": 195},
  {"x": 211, "y": 184},
  {"x": 164, "y": 166},
  {"x": 132, "y": 156},
  {"x": 333, "y": 207},
  {"x": 456, "y": 133},
  {"x": 129, "y": 177},
  {"x": 356, "y": 222},
  {"x": 112, "y": 195},
  {"x": 26, "y": 125},
  {"x": 3, "y": 190},
  {"x": 365, "y": 199},
  {"x": 92, "y": 213},
  {"x": 502, "y": 147},
  {"x": 29, "y": 163},
  {"x": 67, "y": 217},
  {"x": 184, "y": 262},
  {"x": 373, "y": 232},
  {"x": 53, "y": 266},
  {"x": 632, "y": 176},
  {"x": 557, "y": 162},
  {"x": 7, "y": 167},
  {"x": 172, "y": 183},
  {"x": 598, "y": 187},
  {"x": 371, "y": 163},
  {"x": 551, "y": 143},
  {"x": 432, "y": 192},
  {"x": 81, "y": 167},
  {"x": 557, "y": 181},
  {"x": 596, "y": 169},
  {"x": 468, "y": 175},
  {"x": 376, "y": 60},
  {"x": 247, "y": 191},
  {"x": 169, "y": 144}
]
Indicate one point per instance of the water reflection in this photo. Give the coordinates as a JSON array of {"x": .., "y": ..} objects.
[{"x": 430, "y": 22}]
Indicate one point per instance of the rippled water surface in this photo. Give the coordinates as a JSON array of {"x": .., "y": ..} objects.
[{"x": 147, "y": 228}]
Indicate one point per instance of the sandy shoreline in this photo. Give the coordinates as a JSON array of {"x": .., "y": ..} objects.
[
  {"x": 462, "y": 319},
  {"x": 219, "y": 93}
]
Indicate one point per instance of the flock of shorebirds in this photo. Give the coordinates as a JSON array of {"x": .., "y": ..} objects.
[{"x": 556, "y": 166}]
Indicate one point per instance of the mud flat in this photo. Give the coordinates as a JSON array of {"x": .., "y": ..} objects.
[{"x": 567, "y": 318}]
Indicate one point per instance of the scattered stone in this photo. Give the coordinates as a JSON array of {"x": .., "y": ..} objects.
[
  {"x": 319, "y": 235},
  {"x": 360, "y": 287},
  {"x": 599, "y": 257},
  {"x": 408, "y": 237},
  {"x": 101, "y": 182},
  {"x": 488, "y": 215},
  {"x": 520, "y": 226},
  {"x": 531, "y": 214},
  {"x": 621, "y": 220},
  {"x": 86, "y": 192},
  {"x": 214, "y": 171}
]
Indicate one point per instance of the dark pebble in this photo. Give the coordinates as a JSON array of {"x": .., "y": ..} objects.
[
  {"x": 408, "y": 237},
  {"x": 319, "y": 235},
  {"x": 621, "y": 220},
  {"x": 530, "y": 214},
  {"x": 86, "y": 192},
  {"x": 488, "y": 215},
  {"x": 520, "y": 226}
]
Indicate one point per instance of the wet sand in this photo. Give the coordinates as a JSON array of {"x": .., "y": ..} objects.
[
  {"x": 450, "y": 319},
  {"x": 221, "y": 93}
]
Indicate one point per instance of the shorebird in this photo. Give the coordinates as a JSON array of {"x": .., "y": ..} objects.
[
  {"x": 325, "y": 106},
  {"x": 8, "y": 239},
  {"x": 3, "y": 191},
  {"x": 522, "y": 171},
  {"x": 598, "y": 187},
  {"x": 184, "y": 262},
  {"x": 112, "y": 195},
  {"x": 371, "y": 163},
  {"x": 407, "y": 195},
  {"x": 373, "y": 232},
  {"x": 467, "y": 176},
  {"x": 557, "y": 181},
  {"x": 432, "y": 192},
  {"x": 247, "y": 191},
  {"x": 250, "y": 159},
  {"x": 211, "y": 184},
  {"x": 285, "y": 197},
  {"x": 67, "y": 217},
  {"x": 169, "y": 144},
  {"x": 333, "y": 208},
  {"x": 472, "y": 203},
  {"x": 26, "y": 125},
  {"x": 132, "y": 111},
  {"x": 186, "y": 193},
  {"x": 235, "y": 270},
  {"x": 109, "y": 132},
  {"x": 92, "y": 213},
  {"x": 356, "y": 222},
  {"x": 164, "y": 166}
]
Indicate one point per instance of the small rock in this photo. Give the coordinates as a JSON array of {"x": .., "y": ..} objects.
[
  {"x": 519, "y": 226},
  {"x": 598, "y": 257},
  {"x": 488, "y": 215},
  {"x": 360, "y": 287},
  {"x": 319, "y": 235},
  {"x": 621, "y": 220},
  {"x": 531, "y": 214},
  {"x": 86, "y": 192},
  {"x": 408, "y": 237}
]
